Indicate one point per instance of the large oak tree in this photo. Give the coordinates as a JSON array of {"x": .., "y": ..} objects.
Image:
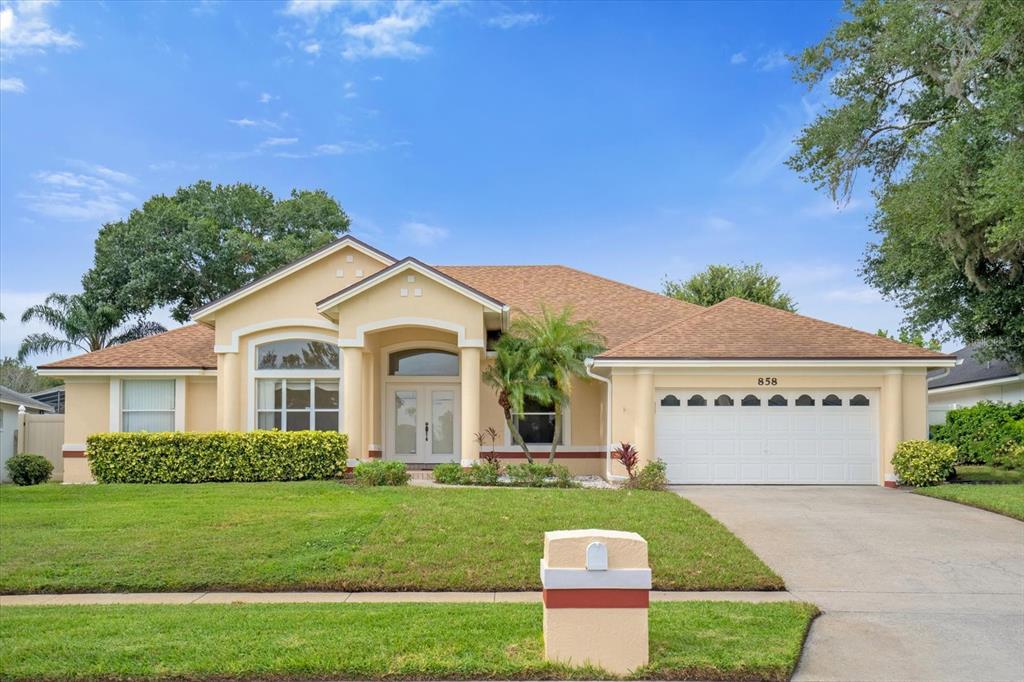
[{"x": 929, "y": 101}]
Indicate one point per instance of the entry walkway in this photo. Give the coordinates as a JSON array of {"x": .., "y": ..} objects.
[{"x": 342, "y": 597}]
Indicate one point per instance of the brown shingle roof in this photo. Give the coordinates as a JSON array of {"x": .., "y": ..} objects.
[
  {"x": 188, "y": 347},
  {"x": 621, "y": 311},
  {"x": 736, "y": 329}
]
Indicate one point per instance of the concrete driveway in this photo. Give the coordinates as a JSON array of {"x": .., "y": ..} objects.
[{"x": 911, "y": 588}]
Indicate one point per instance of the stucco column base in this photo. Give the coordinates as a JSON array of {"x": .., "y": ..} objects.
[
  {"x": 76, "y": 470},
  {"x": 613, "y": 639}
]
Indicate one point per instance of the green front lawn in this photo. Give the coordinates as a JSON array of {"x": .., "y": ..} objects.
[
  {"x": 1007, "y": 499},
  {"x": 688, "y": 640},
  {"x": 980, "y": 473},
  {"x": 327, "y": 536}
]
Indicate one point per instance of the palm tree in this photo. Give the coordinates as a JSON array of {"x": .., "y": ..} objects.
[
  {"x": 515, "y": 379},
  {"x": 82, "y": 323},
  {"x": 556, "y": 348}
]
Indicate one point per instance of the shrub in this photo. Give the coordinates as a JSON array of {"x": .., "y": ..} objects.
[
  {"x": 379, "y": 473},
  {"x": 563, "y": 477},
  {"x": 652, "y": 477},
  {"x": 529, "y": 475},
  {"x": 29, "y": 469},
  {"x": 449, "y": 474},
  {"x": 980, "y": 431},
  {"x": 628, "y": 456},
  {"x": 923, "y": 462},
  {"x": 192, "y": 457},
  {"x": 482, "y": 473},
  {"x": 1010, "y": 454}
]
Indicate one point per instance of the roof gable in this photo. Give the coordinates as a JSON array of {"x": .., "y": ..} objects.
[
  {"x": 404, "y": 265},
  {"x": 736, "y": 329},
  {"x": 294, "y": 266}
]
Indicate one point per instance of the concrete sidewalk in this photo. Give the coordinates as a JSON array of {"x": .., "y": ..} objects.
[{"x": 343, "y": 597}]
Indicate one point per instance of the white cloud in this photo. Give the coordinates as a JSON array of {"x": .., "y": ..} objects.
[
  {"x": 279, "y": 141},
  {"x": 717, "y": 223},
  {"x": 391, "y": 35},
  {"x": 12, "y": 85},
  {"x": 772, "y": 60},
  {"x": 738, "y": 58},
  {"x": 266, "y": 98},
  {"x": 377, "y": 79},
  {"x": 206, "y": 7},
  {"x": 853, "y": 295},
  {"x": 776, "y": 145},
  {"x": 311, "y": 48},
  {"x": 350, "y": 90},
  {"x": 516, "y": 20},
  {"x": 422, "y": 233},
  {"x": 310, "y": 9},
  {"x": 96, "y": 195},
  {"x": 25, "y": 29},
  {"x": 242, "y": 122}
]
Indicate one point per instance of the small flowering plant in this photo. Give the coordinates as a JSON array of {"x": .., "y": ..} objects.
[{"x": 628, "y": 455}]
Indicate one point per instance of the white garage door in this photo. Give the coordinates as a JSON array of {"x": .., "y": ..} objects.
[{"x": 769, "y": 437}]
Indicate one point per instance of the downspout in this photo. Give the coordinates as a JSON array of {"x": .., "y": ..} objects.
[{"x": 589, "y": 364}]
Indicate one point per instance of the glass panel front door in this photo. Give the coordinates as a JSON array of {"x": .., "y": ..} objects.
[{"x": 422, "y": 422}]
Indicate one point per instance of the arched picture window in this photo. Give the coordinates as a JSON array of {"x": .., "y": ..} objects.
[
  {"x": 423, "y": 362},
  {"x": 750, "y": 401},
  {"x": 696, "y": 400},
  {"x": 859, "y": 401},
  {"x": 777, "y": 401},
  {"x": 831, "y": 400},
  {"x": 297, "y": 354},
  {"x": 805, "y": 401},
  {"x": 670, "y": 401},
  {"x": 723, "y": 401}
]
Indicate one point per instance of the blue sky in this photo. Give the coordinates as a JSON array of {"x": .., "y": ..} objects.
[{"x": 631, "y": 140}]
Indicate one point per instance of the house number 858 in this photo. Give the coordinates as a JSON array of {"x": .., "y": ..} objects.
[{"x": 767, "y": 381}]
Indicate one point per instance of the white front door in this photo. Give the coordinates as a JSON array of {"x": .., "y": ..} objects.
[
  {"x": 728, "y": 435},
  {"x": 422, "y": 423}
]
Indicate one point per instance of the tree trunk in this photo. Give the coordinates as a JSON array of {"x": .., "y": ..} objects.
[
  {"x": 516, "y": 436},
  {"x": 558, "y": 433}
]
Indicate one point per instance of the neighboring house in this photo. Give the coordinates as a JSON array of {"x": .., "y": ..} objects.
[
  {"x": 390, "y": 352},
  {"x": 971, "y": 382},
  {"x": 10, "y": 401},
  {"x": 54, "y": 397}
]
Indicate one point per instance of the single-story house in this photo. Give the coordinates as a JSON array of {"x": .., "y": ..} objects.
[
  {"x": 390, "y": 351},
  {"x": 971, "y": 382},
  {"x": 10, "y": 402}
]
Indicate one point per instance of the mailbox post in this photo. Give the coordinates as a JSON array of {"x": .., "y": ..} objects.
[{"x": 596, "y": 594}]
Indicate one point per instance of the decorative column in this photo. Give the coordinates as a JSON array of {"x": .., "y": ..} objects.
[
  {"x": 891, "y": 415},
  {"x": 596, "y": 594},
  {"x": 644, "y": 434},
  {"x": 469, "y": 376},
  {"x": 352, "y": 411},
  {"x": 229, "y": 388}
]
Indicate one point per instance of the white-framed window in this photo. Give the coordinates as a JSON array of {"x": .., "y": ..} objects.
[
  {"x": 297, "y": 404},
  {"x": 536, "y": 423},
  {"x": 297, "y": 385},
  {"x": 148, "y": 405}
]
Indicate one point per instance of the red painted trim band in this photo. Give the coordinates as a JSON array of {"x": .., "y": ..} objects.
[
  {"x": 597, "y": 599},
  {"x": 374, "y": 454},
  {"x": 73, "y": 453},
  {"x": 518, "y": 454}
]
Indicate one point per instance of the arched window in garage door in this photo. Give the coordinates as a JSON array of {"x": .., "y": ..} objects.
[
  {"x": 750, "y": 400},
  {"x": 859, "y": 401},
  {"x": 696, "y": 400},
  {"x": 670, "y": 401},
  {"x": 777, "y": 401},
  {"x": 805, "y": 401},
  {"x": 832, "y": 400},
  {"x": 723, "y": 401}
]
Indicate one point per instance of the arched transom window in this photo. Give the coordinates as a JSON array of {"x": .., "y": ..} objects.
[
  {"x": 423, "y": 362},
  {"x": 296, "y": 354}
]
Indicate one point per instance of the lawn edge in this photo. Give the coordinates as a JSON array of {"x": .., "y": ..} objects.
[{"x": 998, "y": 512}]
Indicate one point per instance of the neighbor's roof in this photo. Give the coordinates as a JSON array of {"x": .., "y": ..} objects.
[
  {"x": 188, "y": 347},
  {"x": 971, "y": 371},
  {"x": 14, "y": 398},
  {"x": 736, "y": 329},
  {"x": 620, "y": 311}
]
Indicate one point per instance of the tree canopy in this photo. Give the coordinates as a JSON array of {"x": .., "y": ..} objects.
[
  {"x": 719, "y": 282},
  {"x": 205, "y": 241},
  {"x": 929, "y": 100}
]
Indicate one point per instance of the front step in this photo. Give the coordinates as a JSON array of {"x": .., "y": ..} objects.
[{"x": 421, "y": 475}]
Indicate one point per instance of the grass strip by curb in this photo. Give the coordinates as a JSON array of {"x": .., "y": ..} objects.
[
  {"x": 1006, "y": 499},
  {"x": 320, "y": 535},
  {"x": 705, "y": 640}
]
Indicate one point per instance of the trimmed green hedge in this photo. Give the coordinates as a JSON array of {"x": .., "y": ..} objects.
[
  {"x": 923, "y": 462},
  {"x": 980, "y": 431},
  {"x": 216, "y": 456}
]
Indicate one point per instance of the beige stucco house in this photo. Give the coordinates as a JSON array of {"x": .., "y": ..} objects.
[{"x": 390, "y": 352}]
